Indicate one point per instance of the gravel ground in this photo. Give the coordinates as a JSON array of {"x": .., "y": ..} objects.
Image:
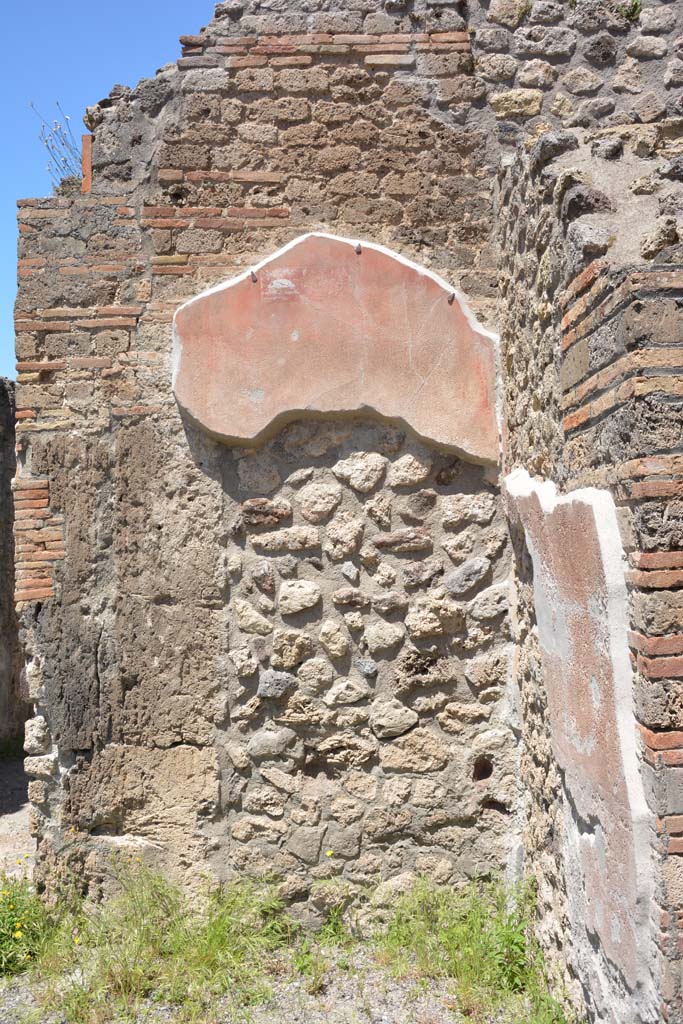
[
  {"x": 356, "y": 990},
  {"x": 16, "y": 843}
]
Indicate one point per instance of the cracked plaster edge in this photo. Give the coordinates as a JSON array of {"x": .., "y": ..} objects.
[
  {"x": 472, "y": 321},
  {"x": 519, "y": 484}
]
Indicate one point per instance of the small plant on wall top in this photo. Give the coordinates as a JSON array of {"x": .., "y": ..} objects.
[
  {"x": 631, "y": 10},
  {"x": 64, "y": 163}
]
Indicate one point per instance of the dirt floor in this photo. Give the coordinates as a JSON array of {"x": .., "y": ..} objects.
[{"x": 16, "y": 844}]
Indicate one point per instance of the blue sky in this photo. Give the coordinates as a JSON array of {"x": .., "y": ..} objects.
[{"x": 73, "y": 52}]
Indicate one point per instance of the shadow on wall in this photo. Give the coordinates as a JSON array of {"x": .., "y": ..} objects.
[{"x": 14, "y": 710}]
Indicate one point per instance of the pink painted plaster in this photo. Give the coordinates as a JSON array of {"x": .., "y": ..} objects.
[
  {"x": 323, "y": 329},
  {"x": 581, "y": 608}
]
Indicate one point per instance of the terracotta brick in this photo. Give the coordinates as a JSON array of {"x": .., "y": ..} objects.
[
  {"x": 247, "y": 62},
  {"x": 350, "y": 38},
  {"x": 86, "y": 163},
  {"x": 450, "y": 37},
  {"x": 651, "y": 465},
  {"x": 41, "y": 594},
  {"x": 656, "y": 580},
  {"x": 301, "y": 61},
  {"x": 661, "y": 668},
  {"x": 657, "y": 645},
  {"x": 655, "y": 489},
  {"x": 662, "y": 740},
  {"x": 672, "y": 759},
  {"x": 657, "y": 559},
  {"x": 170, "y": 175},
  {"x": 575, "y": 419},
  {"x": 229, "y": 51},
  {"x": 390, "y": 60},
  {"x": 23, "y": 483},
  {"x": 31, "y": 503}
]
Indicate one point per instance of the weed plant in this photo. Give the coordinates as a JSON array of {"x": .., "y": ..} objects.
[
  {"x": 210, "y": 959},
  {"x": 26, "y": 926},
  {"x": 151, "y": 943},
  {"x": 481, "y": 938}
]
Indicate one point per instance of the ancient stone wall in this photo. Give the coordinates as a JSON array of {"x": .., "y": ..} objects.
[
  {"x": 259, "y": 632},
  {"x": 13, "y": 709},
  {"x": 599, "y": 411}
]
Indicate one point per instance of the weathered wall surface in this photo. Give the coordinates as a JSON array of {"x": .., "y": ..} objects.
[
  {"x": 144, "y": 568},
  {"x": 13, "y": 709},
  {"x": 599, "y": 362}
]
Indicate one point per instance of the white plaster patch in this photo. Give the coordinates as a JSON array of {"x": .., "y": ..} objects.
[{"x": 583, "y": 634}]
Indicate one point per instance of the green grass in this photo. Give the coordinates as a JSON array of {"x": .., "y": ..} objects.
[
  {"x": 26, "y": 925},
  {"x": 631, "y": 10},
  {"x": 480, "y": 937},
  {"x": 152, "y": 943},
  {"x": 96, "y": 964}
]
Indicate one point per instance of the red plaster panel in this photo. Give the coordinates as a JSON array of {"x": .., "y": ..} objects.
[
  {"x": 324, "y": 329},
  {"x": 580, "y": 601}
]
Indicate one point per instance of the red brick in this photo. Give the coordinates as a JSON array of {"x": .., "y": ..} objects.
[
  {"x": 661, "y": 668},
  {"x": 657, "y": 645},
  {"x": 655, "y": 489},
  {"x": 86, "y": 163},
  {"x": 350, "y": 38},
  {"x": 108, "y": 322},
  {"x": 24, "y": 483},
  {"x": 21, "y": 506},
  {"x": 119, "y": 310},
  {"x": 657, "y": 559},
  {"x": 665, "y": 740},
  {"x": 169, "y": 174},
  {"x": 291, "y": 62},
  {"x": 229, "y": 51},
  {"x": 247, "y": 62},
  {"x": 656, "y": 580},
  {"x": 651, "y": 465},
  {"x": 450, "y": 37},
  {"x": 33, "y": 595},
  {"x": 672, "y": 759},
  {"x": 575, "y": 419}
]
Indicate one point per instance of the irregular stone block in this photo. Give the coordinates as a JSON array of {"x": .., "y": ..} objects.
[
  {"x": 420, "y": 751},
  {"x": 249, "y": 619},
  {"x": 466, "y": 576},
  {"x": 274, "y": 684},
  {"x": 262, "y": 512},
  {"x": 406, "y": 540},
  {"x": 334, "y": 639},
  {"x": 319, "y": 499},
  {"x": 390, "y": 718},
  {"x": 36, "y": 736},
  {"x": 384, "y": 635},
  {"x": 298, "y": 596},
  {"x": 293, "y": 538}
]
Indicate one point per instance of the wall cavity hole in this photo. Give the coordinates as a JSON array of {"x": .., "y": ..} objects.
[
  {"x": 495, "y": 805},
  {"x": 483, "y": 769}
]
